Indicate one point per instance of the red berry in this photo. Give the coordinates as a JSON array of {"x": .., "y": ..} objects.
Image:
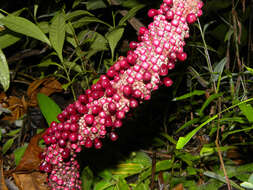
[
  {"x": 169, "y": 15},
  {"x": 111, "y": 73},
  {"x": 152, "y": 13},
  {"x": 88, "y": 143},
  {"x": 74, "y": 127},
  {"x": 127, "y": 90},
  {"x": 66, "y": 153},
  {"x": 142, "y": 30},
  {"x": 133, "y": 45},
  {"x": 137, "y": 93},
  {"x": 113, "y": 136},
  {"x": 168, "y": 2},
  {"x": 182, "y": 56},
  {"x": 61, "y": 117},
  {"x": 112, "y": 107},
  {"x": 133, "y": 103},
  {"x": 163, "y": 70},
  {"x": 62, "y": 143},
  {"x": 120, "y": 115},
  {"x": 191, "y": 18},
  {"x": 65, "y": 135},
  {"x": 117, "y": 123},
  {"x": 96, "y": 110},
  {"x": 83, "y": 99},
  {"x": 73, "y": 137},
  {"x": 109, "y": 92},
  {"x": 97, "y": 144},
  {"x": 89, "y": 119},
  {"x": 147, "y": 76},
  {"x": 167, "y": 81},
  {"x": 131, "y": 59}
]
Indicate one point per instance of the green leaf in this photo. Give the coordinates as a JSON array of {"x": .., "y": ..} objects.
[
  {"x": 247, "y": 110},
  {"x": 87, "y": 178},
  {"x": 247, "y": 185},
  {"x": 77, "y": 13},
  {"x": 249, "y": 69},
  {"x": 142, "y": 186},
  {"x": 222, "y": 179},
  {"x": 103, "y": 185},
  {"x": 130, "y": 14},
  {"x": 7, "y": 145},
  {"x": 48, "y": 107},
  {"x": 8, "y": 38},
  {"x": 19, "y": 152},
  {"x": 13, "y": 132},
  {"x": 188, "y": 123},
  {"x": 113, "y": 38},
  {"x": 95, "y": 4},
  {"x": 122, "y": 185},
  {"x": 127, "y": 169},
  {"x": 57, "y": 34},
  {"x": 182, "y": 141},
  {"x": 188, "y": 95},
  {"x": 4, "y": 71},
  {"x": 218, "y": 70},
  {"x": 141, "y": 158},
  {"x": 208, "y": 101},
  {"x": 25, "y": 27}
]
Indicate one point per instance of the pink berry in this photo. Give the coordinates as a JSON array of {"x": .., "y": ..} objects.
[{"x": 147, "y": 76}]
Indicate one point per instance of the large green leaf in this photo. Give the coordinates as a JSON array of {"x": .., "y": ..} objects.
[
  {"x": 25, "y": 27},
  {"x": 87, "y": 20},
  {"x": 8, "y": 38},
  {"x": 4, "y": 71},
  {"x": 103, "y": 185},
  {"x": 57, "y": 34},
  {"x": 77, "y": 13},
  {"x": 113, "y": 38},
  {"x": 48, "y": 107}
]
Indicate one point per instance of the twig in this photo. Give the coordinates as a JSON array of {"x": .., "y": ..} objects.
[
  {"x": 26, "y": 53},
  {"x": 152, "y": 186},
  {"x": 162, "y": 155}
]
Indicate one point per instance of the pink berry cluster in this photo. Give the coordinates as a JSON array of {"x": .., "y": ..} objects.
[{"x": 130, "y": 81}]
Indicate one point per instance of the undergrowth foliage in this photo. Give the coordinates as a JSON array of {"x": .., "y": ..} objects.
[{"x": 199, "y": 139}]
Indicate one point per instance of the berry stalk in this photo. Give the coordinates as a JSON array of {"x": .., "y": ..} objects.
[{"x": 128, "y": 83}]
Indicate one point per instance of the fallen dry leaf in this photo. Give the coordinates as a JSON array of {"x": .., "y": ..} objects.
[
  {"x": 17, "y": 106},
  {"x": 179, "y": 187},
  {"x": 26, "y": 174},
  {"x": 46, "y": 86},
  {"x": 30, "y": 160},
  {"x": 31, "y": 181},
  {"x": 2, "y": 182}
]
